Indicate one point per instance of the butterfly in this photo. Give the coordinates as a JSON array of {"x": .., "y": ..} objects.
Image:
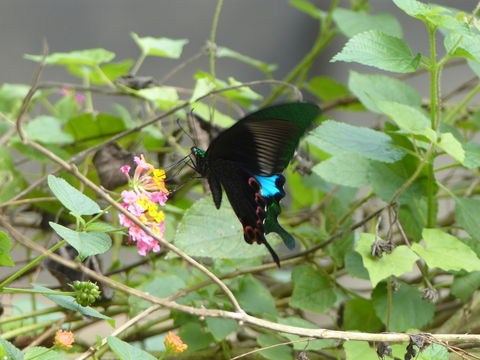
[{"x": 247, "y": 161}]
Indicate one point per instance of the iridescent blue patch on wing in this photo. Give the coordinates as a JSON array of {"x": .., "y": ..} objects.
[{"x": 269, "y": 187}]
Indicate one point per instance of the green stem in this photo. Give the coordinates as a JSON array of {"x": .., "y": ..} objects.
[
  {"x": 389, "y": 303},
  {"x": 324, "y": 37},
  {"x": 6, "y": 290},
  {"x": 100, "y": 214},
  {"x": 434, "y": 93},
  {"x": 30, "y": 265},
  {"x": 460, "y": 106},
  {"x": 32, "y": 314},
  {"x": 213, "y": 34},
  {"x": 414, "y": 176},
  {"x": 435, "y": 70},
  {"x": 105, "y": 78},
  {"x": 138, "y": 63},
  {"x": 88, "y": 94},
  {"x": 27, "y": 329},
  {"x": 447, "y": 167},
  {"x": 447, "y": 190}
]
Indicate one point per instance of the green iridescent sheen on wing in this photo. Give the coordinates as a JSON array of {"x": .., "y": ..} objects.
[
  {"x": 272, "y": 225},
  {"x": 301, "y": 115}
]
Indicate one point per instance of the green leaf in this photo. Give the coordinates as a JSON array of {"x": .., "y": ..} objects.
[
  {"x": 65, "y": 108},
  {"x": 386, "y": 179},
  {"x": 48, "y": 130},
  {"x": 219, "y": 118},
  {"x": 224, "y": 52},
  {"x": 326, "y": 88},
  {"x": 86, "y": 243},
  {"x": 354, "y": 265},
  {"x": 277, "y": 353},
  {"x": 359, "y": 315},
  {"x": 203, "y": 86},
  {"x": 372, "y": 88},
  {"x": 91, "y": 129},
  {"x": 243, "y": 95},
  {"x": 71, "y": 198},
  {"x": 408, "y": 309},
  {"x": 153, "y": 138},
  {"x": 433, "y": 14},
  {"x": 465, "y": 46},
  {"x": 433, "y": 352},
  {"x": 164, "y": 47},
  {"x": 351, "y": 23},
  {"x": 125, "y": 351},
  {"x": 466, "y": 213},
  {"x": 9, "y": 351},
  {"x": 5, "y": 246},
  {"x": 254, "y": 297},
  {"x": 88, "y": 57},
  {"x": 408, "y": 118},
  {"x": 221, "y": 328},
  {"x": 414, "y": 215},
  {"x": 195, "y": 236},
  {"x": 308, "y": 8},
  {"x": 475, "y": 66},
  {"x": 385, "y": 52},
  {"x": 452, "y": 147},
  {"x": 346, "y": 169},
  {"x": 195, "y": 336},
  {"x": 161, "y": 285},
  {"x": 398, "y": 262},
  {"x": 312, "y": 290},
  {"x": 11, "y": 182},
  {"x": 11, "y": 97},
  {"x": 42, "y": 353},
  {"x": 359, "y": 350},
  {"x": 472, "y": 155},
  {"x": 103, "y": 227},
  {"x": 69, "y": 303},
  {"x": 333, "y": 137},
  {"x": 464, "y": 286},
  {"x": 312, "y": 345},
  {"x": 165, "y": 97},
  {"x": 97, "y": 75},
  {"x": 446, "y": 252}
]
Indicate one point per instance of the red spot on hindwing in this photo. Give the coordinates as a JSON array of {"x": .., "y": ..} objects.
[{"x": 254, "y": 184}]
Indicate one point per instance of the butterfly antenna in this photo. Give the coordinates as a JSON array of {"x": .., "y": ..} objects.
[
  {"x": 178, "y": 163},
  {"x": 185, "y": 131},
  {"x": 182, "y": 163},
  {"x": 193, "y": 126},
  {"x": 273, "y": 253},
  {"x": 177, "y": 188}
]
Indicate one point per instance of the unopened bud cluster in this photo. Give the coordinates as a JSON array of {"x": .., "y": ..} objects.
[{"x": 87, "y": 292}]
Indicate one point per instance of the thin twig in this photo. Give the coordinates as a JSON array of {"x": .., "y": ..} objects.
[{"x": 120, "y": 330}]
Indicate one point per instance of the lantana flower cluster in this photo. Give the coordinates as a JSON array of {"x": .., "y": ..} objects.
[
  {"x": 147, "y": 194},
  {"x": 174, "y": 344}
]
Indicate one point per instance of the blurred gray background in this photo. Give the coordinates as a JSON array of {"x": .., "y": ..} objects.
[{"x": 269, "y": 30}]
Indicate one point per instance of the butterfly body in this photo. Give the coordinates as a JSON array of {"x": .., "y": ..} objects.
[{"x": 247, "y": 161}]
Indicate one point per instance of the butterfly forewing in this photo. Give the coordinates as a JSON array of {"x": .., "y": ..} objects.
[{"x": 263, "y": 142}]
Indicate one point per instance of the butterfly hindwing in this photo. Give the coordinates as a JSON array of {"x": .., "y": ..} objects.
[{"x": 244, "y": 191}]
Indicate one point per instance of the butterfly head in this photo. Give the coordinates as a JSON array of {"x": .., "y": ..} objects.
[{"x": 199, "y": 160}]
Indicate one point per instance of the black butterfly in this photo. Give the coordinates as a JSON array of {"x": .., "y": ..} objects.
[{"x": 247, "y": 160}]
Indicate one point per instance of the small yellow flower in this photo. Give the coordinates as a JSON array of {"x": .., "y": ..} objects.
[
  {"x": 143, "y": 201},
  {"x": 174, "y": 344},
  {"x": 64, "y": 339},
  {"x": 158, "y": 216}
]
